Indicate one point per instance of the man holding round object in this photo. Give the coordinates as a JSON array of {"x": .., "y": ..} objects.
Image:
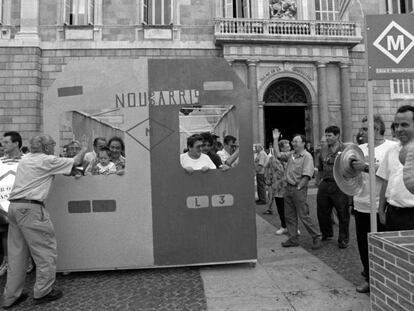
[
  {"x": 396, "y": 207},
  {"x": 30, "y": 228},
  {"x": 362, "y": 204},
  {"x": 329, "y": 194}
]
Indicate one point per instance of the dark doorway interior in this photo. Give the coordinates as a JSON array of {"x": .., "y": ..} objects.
[{"x": 289, "y": 120}]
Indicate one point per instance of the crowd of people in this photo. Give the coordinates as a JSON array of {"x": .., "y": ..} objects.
[
  {"x": 286, "y": 173},
  {"x": 205, "y": 152},
  {"x": 107, "y": 157},
  {"x": 27, "y": 231}
]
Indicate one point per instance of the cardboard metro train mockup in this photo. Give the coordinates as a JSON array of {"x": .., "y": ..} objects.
[{"x": 155, "y": 214}]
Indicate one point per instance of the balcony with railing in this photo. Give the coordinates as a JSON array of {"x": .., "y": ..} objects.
[{"x": 237, "y": 30}]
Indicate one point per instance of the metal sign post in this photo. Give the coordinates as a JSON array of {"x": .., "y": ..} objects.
[{"x": 390, "y": 47}]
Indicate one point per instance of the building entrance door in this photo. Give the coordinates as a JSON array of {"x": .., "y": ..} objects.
[
  {"x": 286, "y": 108},
  {"x": 289, "y": 120}
]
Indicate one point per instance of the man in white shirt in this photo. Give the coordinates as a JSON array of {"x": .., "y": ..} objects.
[
  {"x": 396, "y": 206},
  {"x": 362, "y": 204},
  {"x": 98, "y": 144},
  {"x": 30, "y": 228},
  {"x": 230, "y": 154},
  {"x": 194, "y": 159},
  {"x": 12, "y": 142}
]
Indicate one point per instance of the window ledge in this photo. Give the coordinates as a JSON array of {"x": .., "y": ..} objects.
[
  {"x": 78, "y": 32},
  {"x": 158, "y": 32}
]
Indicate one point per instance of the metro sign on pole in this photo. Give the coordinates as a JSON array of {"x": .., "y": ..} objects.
[{"x": 390, "y": 46}]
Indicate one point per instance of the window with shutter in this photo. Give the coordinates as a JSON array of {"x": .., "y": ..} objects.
[
  {"x": 237, "y": 8},
  {"x": 157, "y": 12},
  {"x": 402, "y": 88},
  {"x": 1, "y": 12},
  {"x": 79, "y": 12},
  {"x": 327, "y": 10}
]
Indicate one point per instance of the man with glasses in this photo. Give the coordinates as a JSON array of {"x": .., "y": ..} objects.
[
  {"x": 230, "y": 153},
  {"x": 30, "y": 227},
  {"x": 194, "y": 159}
]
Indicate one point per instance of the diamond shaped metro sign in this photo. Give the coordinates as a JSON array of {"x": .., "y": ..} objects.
[
  {"x": 390, "y": 42},
  {"x": 401, "y": 43},
  {"x": 149, "y": 128}
]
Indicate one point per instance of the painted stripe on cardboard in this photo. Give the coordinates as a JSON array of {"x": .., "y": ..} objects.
[
  {"x": 218, "y": 86},
  {"x": 70, "y": 91}
]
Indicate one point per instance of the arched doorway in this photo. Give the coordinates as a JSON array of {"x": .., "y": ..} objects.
[{"x": 286, "y": 107}]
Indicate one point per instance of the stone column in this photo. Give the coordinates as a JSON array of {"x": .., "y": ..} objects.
[
  {"x": 261, "y": 130},
  {"x": 322, "y": 98},
  {"x": 29, "y": 20},
  {"x": 252, "y": 85},
  {"x": 346, "y": 107}
]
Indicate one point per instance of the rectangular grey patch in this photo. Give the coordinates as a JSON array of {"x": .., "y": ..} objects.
[
  {"x": 75, "y": 207},
  {"x": 70, "y": 91},
  {"x": 99, "y": 206},
  {"x": 218, "y": 86}
]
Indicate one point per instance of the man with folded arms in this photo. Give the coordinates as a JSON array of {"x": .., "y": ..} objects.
[{"x": 30, "y": 227}]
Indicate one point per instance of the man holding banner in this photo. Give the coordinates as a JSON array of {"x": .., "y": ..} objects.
[{"x": 12, "y": 142}]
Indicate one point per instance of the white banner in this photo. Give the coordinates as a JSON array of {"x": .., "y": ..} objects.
[{"x": 7, "y": 176}]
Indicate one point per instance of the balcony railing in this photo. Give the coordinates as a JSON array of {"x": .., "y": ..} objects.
[{"x": 241, "y": 29}]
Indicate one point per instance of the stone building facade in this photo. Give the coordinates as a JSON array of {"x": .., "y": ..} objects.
[{"x": 304, "y": 61}]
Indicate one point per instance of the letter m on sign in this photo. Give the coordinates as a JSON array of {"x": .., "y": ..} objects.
[{"x": 395, "y": 44}]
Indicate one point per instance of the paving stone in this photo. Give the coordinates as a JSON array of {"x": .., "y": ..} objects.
[
  {"x": 345, "y": 262},
  {"x": 153, "y": 289}
]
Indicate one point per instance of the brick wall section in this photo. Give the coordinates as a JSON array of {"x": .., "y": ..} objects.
[
  {"x": 20, "y": 91},
  {"x": 391, "y": 256}
]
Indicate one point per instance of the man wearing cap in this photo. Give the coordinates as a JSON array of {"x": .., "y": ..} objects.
[
  {"x": 329, "y": 195},
  {"x": 362, "y": 203},
  {"x": 30, "y": 228},
  {"x": 396, "y": 207}
]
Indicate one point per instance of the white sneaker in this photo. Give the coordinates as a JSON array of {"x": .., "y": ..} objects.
[
  {"x": 3, "y": 268},
  {"x": 281, "y": 231}
]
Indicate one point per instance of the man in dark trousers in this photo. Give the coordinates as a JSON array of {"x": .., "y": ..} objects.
[
  {"x": 299, "y": 171},
  {"x": 396, "y": 206},
  {"x": 30, "y": 228},
  {"x": 329, "y": 195}
]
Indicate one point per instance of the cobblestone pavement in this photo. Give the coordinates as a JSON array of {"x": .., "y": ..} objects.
[
  {"x": 147, "y": 290},
  {"x": 345, "y": 262}
]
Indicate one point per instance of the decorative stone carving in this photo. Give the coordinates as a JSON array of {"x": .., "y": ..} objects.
[
  {"x": 305, "y": 71},
  {"x": 283, "y": 9}
]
